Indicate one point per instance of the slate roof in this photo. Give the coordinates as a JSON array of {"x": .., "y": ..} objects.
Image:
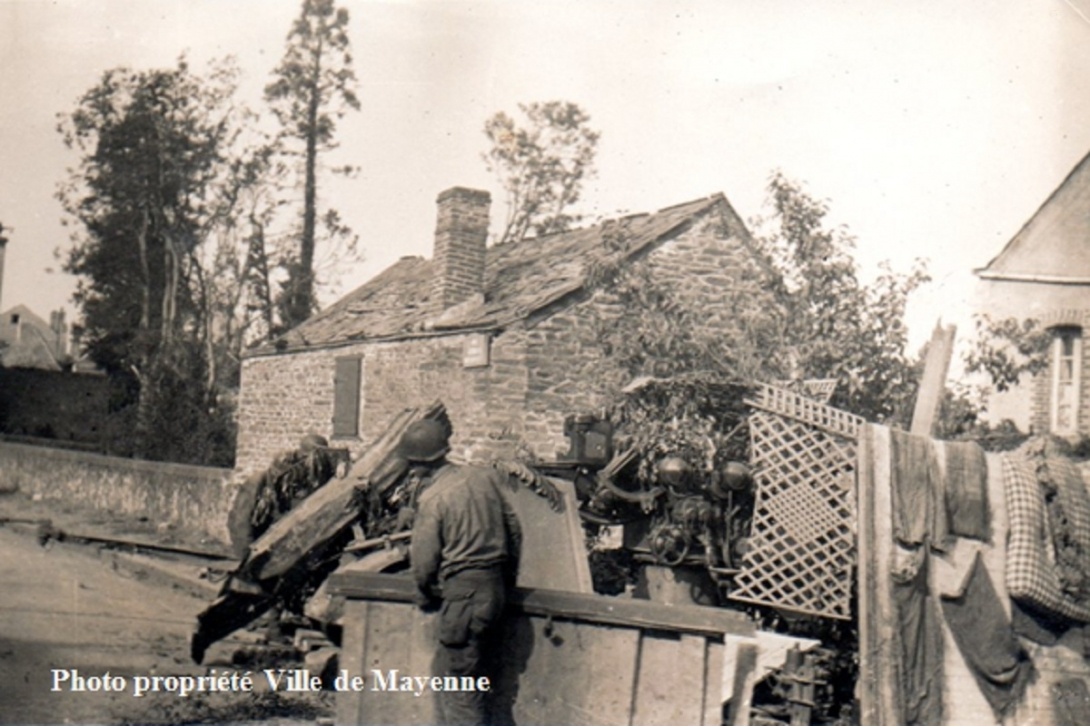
[
  {"x": 35, "y": 347},
  {"x": 1054, "y": 245},
  {"x": 519, "y": 280}
]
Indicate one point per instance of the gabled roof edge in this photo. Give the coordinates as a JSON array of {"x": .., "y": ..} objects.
[{"x": 1017, "y": 236}]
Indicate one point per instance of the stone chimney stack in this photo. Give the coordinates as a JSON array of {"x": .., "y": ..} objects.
[
  {"x": 59, "y": 327},
  {"x": 461, "y": 235}
]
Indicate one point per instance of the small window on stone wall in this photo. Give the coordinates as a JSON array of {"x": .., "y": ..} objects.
[
  {"x": 346, "y": 397},
  {"x": 1066, "y": 370}
]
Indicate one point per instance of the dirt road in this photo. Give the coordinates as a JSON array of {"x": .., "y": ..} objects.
[
  {"x": 67, "y": 607},
  {"x": 78, "y": 608}
]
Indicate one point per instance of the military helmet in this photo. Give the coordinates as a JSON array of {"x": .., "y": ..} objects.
[{"x": 424, "y": 441}]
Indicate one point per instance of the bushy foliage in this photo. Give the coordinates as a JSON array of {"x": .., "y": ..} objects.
[
  {"x": 828, "y": 323},
  {"x": 147, "y": 193},
  {"x": 810, "y": 317}
]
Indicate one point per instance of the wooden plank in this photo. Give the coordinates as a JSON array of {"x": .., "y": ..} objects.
[
  {"x": 670, "y": 679},
  {"x": 868, "y": 648},
  {"x": 420, "y": 643},
  {"x": 629, "y": 612},
  {"x": 349, "y": 704},
  {"x": 742, "y": 673},
  {"x": 554, "y": 555},
  {"x": 397, "y": 637},
  {"x": 877, "y": 624},
  {"x": 933, "y": 381},
  {"x": 888, "y": 633}
]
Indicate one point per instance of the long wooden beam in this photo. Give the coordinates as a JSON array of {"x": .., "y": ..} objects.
[
  {"x": 630, "y": 612},
  {"x": 933, "y": 382}
]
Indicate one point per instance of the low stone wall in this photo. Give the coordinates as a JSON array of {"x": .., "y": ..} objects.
[{"x": 184, "y": 497}]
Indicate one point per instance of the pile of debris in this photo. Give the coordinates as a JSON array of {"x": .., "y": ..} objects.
[{"x": 305, "y": 513}]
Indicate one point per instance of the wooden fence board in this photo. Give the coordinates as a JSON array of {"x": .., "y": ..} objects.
[
  {"x": 933, "y": 382},
  {"x": 630, "y": 612}
]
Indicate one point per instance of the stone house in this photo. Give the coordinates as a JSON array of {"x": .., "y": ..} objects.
[
  {"x": 1043, "y": 273},
  {"x": 28, "y": 341},
  {"x": 502, "y": 334}
]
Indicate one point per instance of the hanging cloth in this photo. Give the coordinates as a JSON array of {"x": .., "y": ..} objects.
[
  {"x": 920, "y": 629},
  {"x": 967, "y": 491},
  {"x": 911, "y": 480},
  {"x": 986, "y": 640}
]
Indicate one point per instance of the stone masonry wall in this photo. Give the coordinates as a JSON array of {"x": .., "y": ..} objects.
[
  {"x": 281, "y": 399},
  {"x": 485, "y": 403},
  {"x": 181, "y": 497},
  {"x": 285, "y": 396},
  {"x": 708, "y": 266}
]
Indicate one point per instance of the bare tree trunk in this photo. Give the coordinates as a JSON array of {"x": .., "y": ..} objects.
[
  {"x": 304, "y": 284},
  {"x": 145, "y": 271}
]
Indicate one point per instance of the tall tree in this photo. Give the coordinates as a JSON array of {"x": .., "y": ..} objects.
[
  {"x": 542, "y": 163},
  {"x": 313, "y": 87},
  {"x": 147, "y": 192}
]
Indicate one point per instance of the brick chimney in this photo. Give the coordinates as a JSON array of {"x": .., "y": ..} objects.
[{"x": 461, "y": 235}]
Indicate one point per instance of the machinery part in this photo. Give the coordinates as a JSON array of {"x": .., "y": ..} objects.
[
  {"x": 590, "y": 439},
  {"x": 669, "y": 543},
  {"x": 645, "y": 499},
  {"x": 734, "y": 477},
  {"x": 737, "y": 476},
  {"x": 674, "y": 471},
  {"x": 424, "y": 441}
]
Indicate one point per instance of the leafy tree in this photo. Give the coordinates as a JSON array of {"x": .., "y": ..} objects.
[
  {"x": 313, "y": 87},
  {"x": 541, "y": 164},
  {"x": 149, "y": 189},
  {"x": 1008, "y": 349},
  {"x": 828, "y": 324}
]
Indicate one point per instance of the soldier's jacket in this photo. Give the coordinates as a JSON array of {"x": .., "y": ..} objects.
[{"x": 463, "y": 521}]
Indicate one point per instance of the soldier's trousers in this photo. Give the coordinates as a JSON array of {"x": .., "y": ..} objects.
[{"x": 473, "y": 603}]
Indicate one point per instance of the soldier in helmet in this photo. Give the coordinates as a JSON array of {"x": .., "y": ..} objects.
[{"x": 465, "y": 555}]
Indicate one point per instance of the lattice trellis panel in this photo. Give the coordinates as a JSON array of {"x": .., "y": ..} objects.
[{"x": 802, "y": 543}]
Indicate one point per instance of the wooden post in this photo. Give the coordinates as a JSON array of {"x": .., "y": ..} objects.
[
  {"x": 933, "y": 381},
  {"x": 867, "y": 687},
  {"x": 878, "y": 637}
]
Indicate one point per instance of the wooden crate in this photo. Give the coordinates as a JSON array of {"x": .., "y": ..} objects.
[{"x": 567, "y": 658}]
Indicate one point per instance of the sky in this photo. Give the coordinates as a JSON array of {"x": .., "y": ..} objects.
[{"x": 933, "y": 129}]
